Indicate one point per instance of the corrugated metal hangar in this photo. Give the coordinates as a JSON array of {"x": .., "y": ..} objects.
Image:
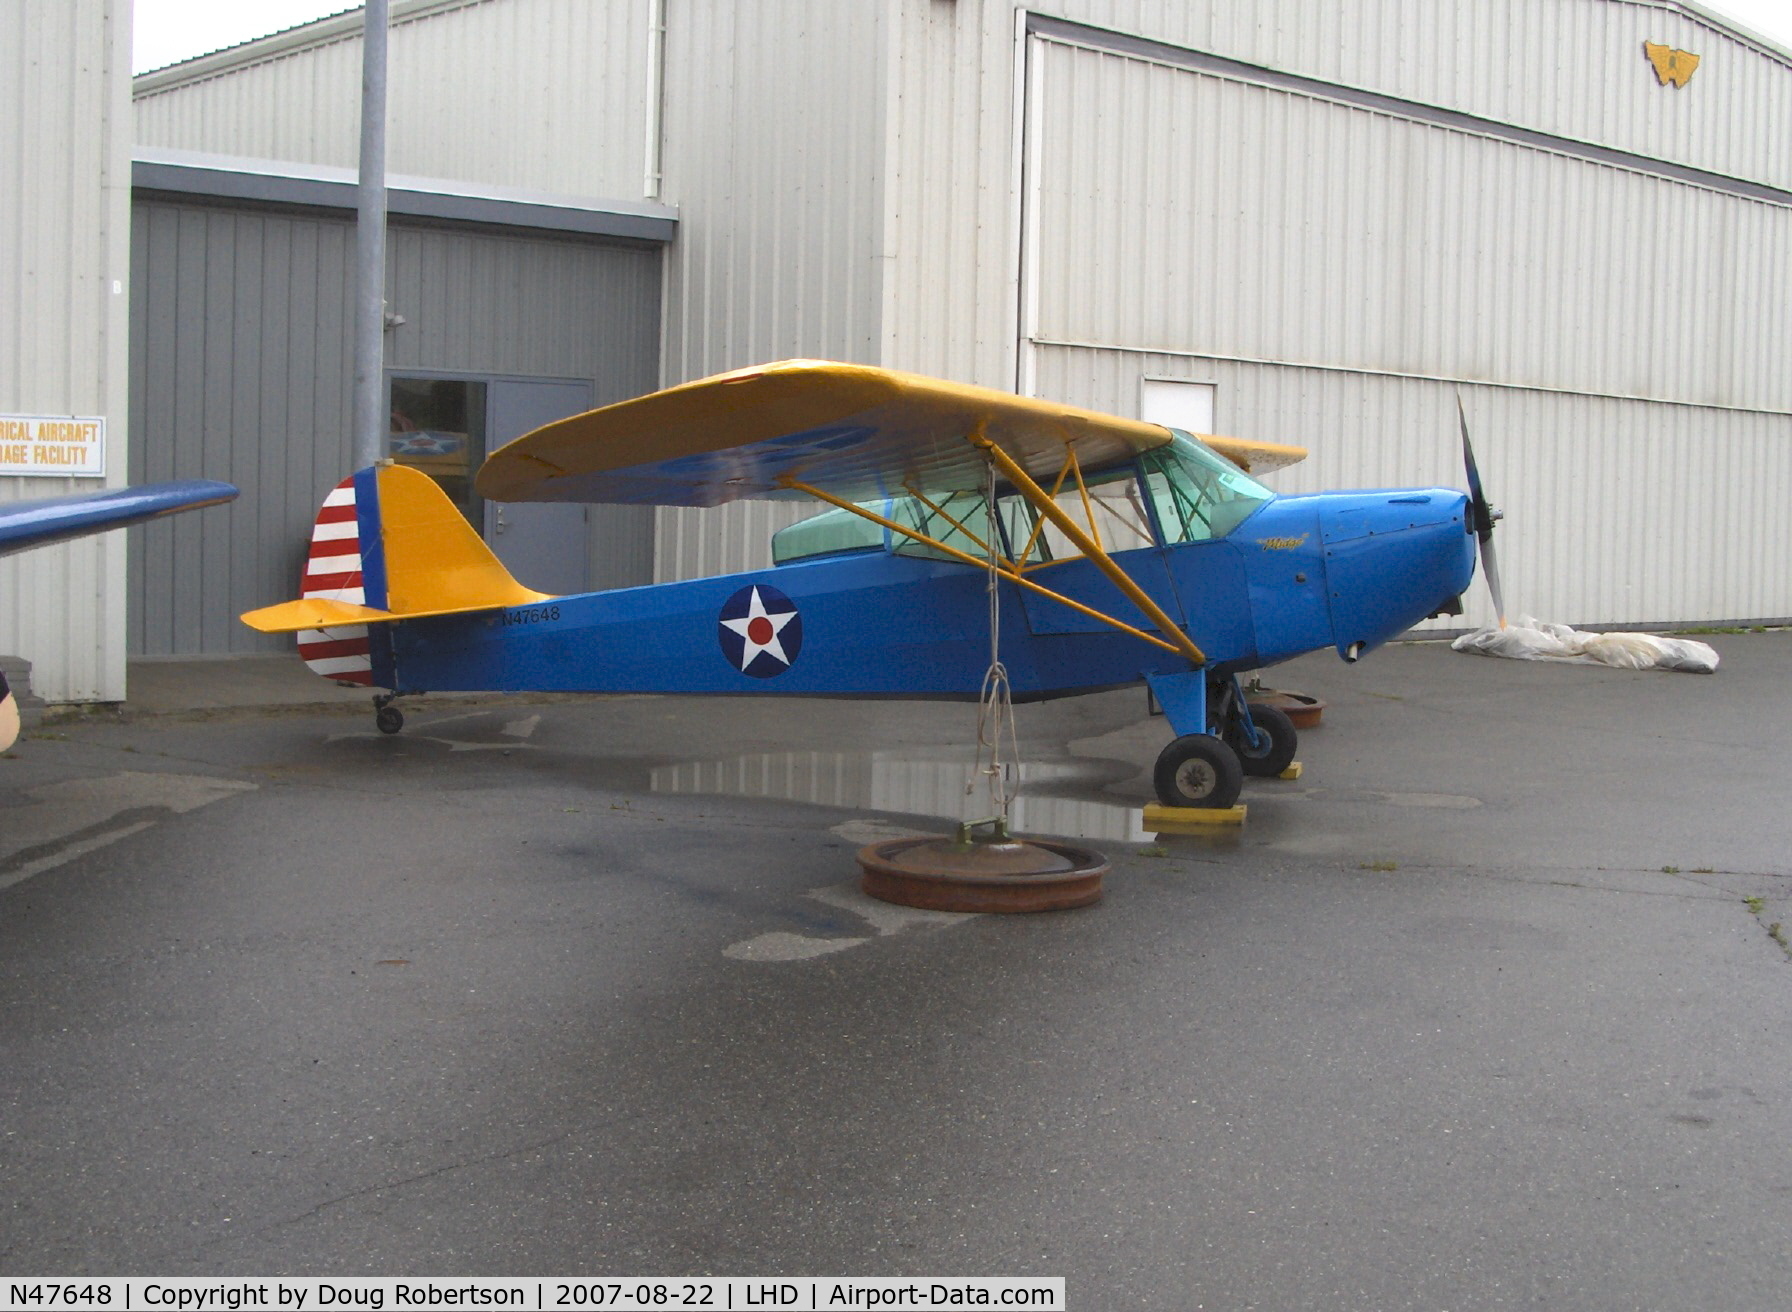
[{"x": 1312, "y": 221}]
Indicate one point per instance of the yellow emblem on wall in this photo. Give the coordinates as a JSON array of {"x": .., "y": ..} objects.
[{"x": 1671, "y": 65}]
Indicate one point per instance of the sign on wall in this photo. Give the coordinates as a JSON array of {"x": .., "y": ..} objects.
[
  {"x": 53, "y": 446},
  {"x": 1671, "y": 65}
]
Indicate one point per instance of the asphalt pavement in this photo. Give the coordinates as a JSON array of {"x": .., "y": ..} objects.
[{"x": 1485, "y": 1010}]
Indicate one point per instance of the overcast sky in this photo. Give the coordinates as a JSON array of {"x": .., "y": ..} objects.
[{"x": 168, "y": 31}]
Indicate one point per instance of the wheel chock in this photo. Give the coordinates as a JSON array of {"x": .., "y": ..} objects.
[
  {"x": 1292, "y": 772},
  {"x": 1192, "y": 819}
]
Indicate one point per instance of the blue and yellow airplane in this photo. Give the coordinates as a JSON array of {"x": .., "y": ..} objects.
[
  {"x": 1124, "y": 551},
  {"x": 39, "y": 522}
]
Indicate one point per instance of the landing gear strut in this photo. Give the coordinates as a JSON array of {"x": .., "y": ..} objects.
[
  {"x": 1208, "y": 769},
  {"x": 1273, "y": 750}
]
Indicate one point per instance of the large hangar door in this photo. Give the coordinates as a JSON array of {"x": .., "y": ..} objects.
[
  {"x": 240, "y": 369},
  {"x": 1172, "y": 209},
  {"x": 1339, "y": 262}
]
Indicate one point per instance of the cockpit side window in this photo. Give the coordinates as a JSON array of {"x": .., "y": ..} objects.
[
  {"x": 1114, "y": 515},
  {"x": 956, "y": 519},
  {"x": 1199, "y": 495},
  {"x": 828, "y": 534},
  {"x": 1196, "y": 496}
]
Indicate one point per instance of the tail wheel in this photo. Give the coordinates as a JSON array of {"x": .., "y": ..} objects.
[
  {"x": 1277, "y": 740},
  {"x": 389, "y": 719},
  {"x": 1198, "y": 770}
]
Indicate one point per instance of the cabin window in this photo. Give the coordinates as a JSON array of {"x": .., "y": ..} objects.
[
  {"x": 956, "y": 519},
  {"x": 827, "y": 534},
  {"x": 1114, "y": 515},
  {"x": 1198, "y": 495}
]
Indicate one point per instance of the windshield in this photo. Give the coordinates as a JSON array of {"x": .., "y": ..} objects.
[{"x": 1198, "y": 494}]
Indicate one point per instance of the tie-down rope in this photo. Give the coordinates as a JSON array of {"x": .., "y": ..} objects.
[{"x": 995, "y": 705}]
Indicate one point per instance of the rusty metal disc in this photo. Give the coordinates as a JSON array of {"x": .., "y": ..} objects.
[
  {"x": 1302, "y": 709},
  {"x": 1001, "y": 874}
]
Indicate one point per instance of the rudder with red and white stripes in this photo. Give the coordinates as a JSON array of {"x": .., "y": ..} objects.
[{"x": 345, "y": 563}]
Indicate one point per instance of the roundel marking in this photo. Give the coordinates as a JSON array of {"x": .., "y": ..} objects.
[{"x": 760, "y": 631}]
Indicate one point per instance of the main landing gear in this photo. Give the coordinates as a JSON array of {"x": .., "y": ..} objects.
[
  {"x": 1207, "y": 770},
  {"x": 387, "y": 717}
]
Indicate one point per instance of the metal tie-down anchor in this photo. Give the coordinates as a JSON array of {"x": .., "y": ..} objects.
[{"x": 982, "y": 868}]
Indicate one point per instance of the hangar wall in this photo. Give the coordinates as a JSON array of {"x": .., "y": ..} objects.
[
  {"x": 241, "y": 369},
  {"x": 549, "y": 95},
  {"x": 1395, "y": 198},
  {"x": 1208, "y": 192},
  {"x": 771, "y": 146},
  {"x": 65, "y": 214},
  {"x": 1572, "y": 68},
  {"x": 1446, "y": 194},
  {"x": 775, "y": 157},
  {"x": 1372, "y": 258},
  {"x": 1298, "y": 227},
  {"x": 1619, "y": 512}
]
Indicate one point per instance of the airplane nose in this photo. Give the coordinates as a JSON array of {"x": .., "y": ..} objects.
[{"x": 1393, "y": 559}]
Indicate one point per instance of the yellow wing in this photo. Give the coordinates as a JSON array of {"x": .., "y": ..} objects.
[
  {"x": 856, "y": 431},
  {"x": 1254, "y": 457}
]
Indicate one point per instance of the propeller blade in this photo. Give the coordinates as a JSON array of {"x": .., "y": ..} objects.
[
  {"x": 1484, "y": 516},
  {"x": 1491, "y": 568},
  {"x": 1477, "y": 498}
]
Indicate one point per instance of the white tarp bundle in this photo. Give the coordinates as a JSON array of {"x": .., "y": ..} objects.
[{"x": 1527, "y": 639}]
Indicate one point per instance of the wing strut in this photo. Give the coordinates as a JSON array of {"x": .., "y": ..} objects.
[
  {"x": 1178, "y": 642},
  {"x": 1024, "y": 484}
]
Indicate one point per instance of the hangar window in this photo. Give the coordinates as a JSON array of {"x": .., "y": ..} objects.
[
  {"x": 438, "y": 427},
  {"x": 1177, "y": 403}
]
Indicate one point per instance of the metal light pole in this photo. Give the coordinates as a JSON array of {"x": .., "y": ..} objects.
[{"x": 371, "y": 418}]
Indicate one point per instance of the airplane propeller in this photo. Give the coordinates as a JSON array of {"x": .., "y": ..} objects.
[{"x": 1485, "y": 517}]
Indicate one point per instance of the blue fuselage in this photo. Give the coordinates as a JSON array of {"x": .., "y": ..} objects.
[{"x": 1347, "y": 570}]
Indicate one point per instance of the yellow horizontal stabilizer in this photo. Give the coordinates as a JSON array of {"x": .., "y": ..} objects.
[
  {"x": 322, "y": 613},
  {"x": 312, "y": 613}
]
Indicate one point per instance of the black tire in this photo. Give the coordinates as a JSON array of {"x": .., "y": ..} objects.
[
  {"x": 1273, "y": 756},
  {"x": 1198, "y": 770},
  {"x": 389, "y": 719}
]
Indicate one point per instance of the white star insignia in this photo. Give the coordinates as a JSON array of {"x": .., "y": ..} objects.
[{"x": 760, "y": 629}]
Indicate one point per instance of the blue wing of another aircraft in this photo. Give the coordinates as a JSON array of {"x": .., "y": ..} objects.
[{"x": 37, "y": 523}]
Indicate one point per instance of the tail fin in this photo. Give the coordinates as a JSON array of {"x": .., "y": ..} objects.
[{"x": 387, "y": 545}]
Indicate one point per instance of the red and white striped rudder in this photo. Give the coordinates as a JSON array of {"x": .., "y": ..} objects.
[{"x": 333, "y": 571}]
